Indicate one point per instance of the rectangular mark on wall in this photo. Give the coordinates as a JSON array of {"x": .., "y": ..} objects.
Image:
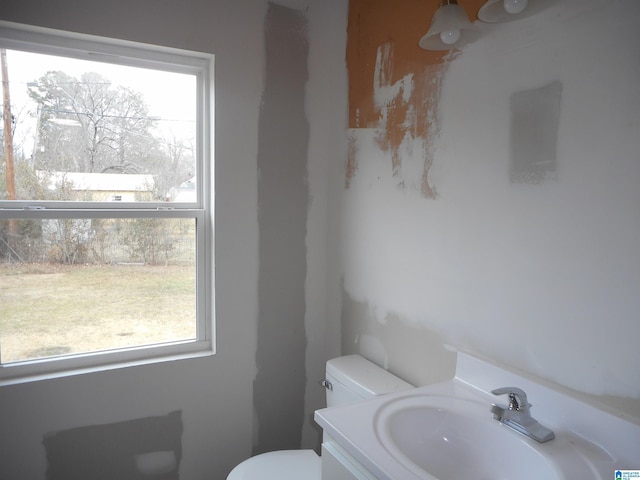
[
  {"x": 535, "y": 115},
  {"x": 147, "y": 448}
]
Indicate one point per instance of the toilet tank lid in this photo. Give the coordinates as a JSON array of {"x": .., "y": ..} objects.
[{"x": 363, "y": 377}]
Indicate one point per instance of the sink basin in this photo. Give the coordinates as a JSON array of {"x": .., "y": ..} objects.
[
  {"x": 446, "y": 431},
  {"x": 456, "y": 438}
]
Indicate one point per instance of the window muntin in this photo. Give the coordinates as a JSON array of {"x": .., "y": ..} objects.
[{"x": 143, "y": 212}]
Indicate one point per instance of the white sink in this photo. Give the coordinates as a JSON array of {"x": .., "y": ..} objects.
[
  {"x": 457, "y": 438},
  {"x": 447, "y": 432}
]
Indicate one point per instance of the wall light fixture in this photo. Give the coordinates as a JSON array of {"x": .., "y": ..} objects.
[
  {"x": 508, "y": 10},
  {"x": 450, "y": 28}
]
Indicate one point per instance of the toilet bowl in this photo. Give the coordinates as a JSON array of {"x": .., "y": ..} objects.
[
  {"x": 279, "y": 465},
  {"x": 349, "y": 379}
]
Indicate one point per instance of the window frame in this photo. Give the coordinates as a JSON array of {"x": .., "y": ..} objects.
[{"x": 107, "y": 50}]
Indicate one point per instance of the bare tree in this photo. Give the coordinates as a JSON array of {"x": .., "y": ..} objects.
[{"x": 90, "y": 125}]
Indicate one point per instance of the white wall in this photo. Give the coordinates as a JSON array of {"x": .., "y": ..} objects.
[
  {"x": 215, "y": 394},
  {"x": 544, "y": 277}
]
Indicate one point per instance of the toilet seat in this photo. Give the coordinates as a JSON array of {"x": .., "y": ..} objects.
[{"x": 279, "y": 465}]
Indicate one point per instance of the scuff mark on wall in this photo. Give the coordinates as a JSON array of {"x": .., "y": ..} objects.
[{"x": 352, "y": 163}]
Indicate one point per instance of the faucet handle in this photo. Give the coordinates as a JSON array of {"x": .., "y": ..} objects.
[{"x": 517, "y": 398}]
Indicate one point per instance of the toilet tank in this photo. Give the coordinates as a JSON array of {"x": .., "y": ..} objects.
[{"x": 352, "y": 379}]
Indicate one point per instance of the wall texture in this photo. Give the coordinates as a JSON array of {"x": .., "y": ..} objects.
[
  {"x": 216, "y": 395},
  {"x": 491, "y": 199}
]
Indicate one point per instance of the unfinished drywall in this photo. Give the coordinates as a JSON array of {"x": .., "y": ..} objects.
[
  {"x": 148, "y": 448},
  {"x": 215, "y": 394},
  {"x": 283, "y": 138},
  {"x": 395, "y": 344},
  {"x": 540, "y": 275},
  {"x": 326, "y": 93}
]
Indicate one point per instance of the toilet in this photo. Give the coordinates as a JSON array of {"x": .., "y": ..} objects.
[{"x": 349, "y": 379}]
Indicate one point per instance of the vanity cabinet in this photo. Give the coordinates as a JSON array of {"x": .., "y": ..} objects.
[{"x": 337, "y": 464}]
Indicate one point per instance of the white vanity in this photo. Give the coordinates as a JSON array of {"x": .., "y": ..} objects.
[{"x": 447, "y": 431}]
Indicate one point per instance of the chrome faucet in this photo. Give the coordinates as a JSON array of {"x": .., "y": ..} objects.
[{"x": 516, "y": 415}]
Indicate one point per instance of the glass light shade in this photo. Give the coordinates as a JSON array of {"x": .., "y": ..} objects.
[
  {"x": 450, "y": 37},
  {"x": 515, "y": 6},
  {"x": 495, "y": 11},
  {"x": 449, "y": 28}
]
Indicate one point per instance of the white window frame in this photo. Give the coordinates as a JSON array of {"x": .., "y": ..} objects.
[{"x": 40, "y": 40}]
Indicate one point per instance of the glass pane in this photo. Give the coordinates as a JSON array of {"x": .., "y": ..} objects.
[
  {"x": 98, "y": 132},
  {"x": 71, "y": 286}
]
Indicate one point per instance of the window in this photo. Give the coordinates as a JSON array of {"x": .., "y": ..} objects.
[{"x": 105, "y": 212}]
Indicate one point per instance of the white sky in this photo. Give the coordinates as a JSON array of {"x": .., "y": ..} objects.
[{"x": 169, "y": 96}]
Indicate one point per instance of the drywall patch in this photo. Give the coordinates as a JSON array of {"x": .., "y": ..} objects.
[
  {"x": 283, "y": 138},
  {"x": 147, "y": 448},
  {"x": 413, "y": 352},
  {"x": 535, "y": 115}
]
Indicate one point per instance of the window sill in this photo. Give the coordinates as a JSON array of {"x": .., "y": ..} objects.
[{"x": 112, "y": 365}]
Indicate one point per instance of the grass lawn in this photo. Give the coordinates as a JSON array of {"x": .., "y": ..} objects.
[{"x": 48, "y": 310}]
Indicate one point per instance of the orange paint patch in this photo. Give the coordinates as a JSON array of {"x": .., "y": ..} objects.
[{"x": 394, "y": 85}]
